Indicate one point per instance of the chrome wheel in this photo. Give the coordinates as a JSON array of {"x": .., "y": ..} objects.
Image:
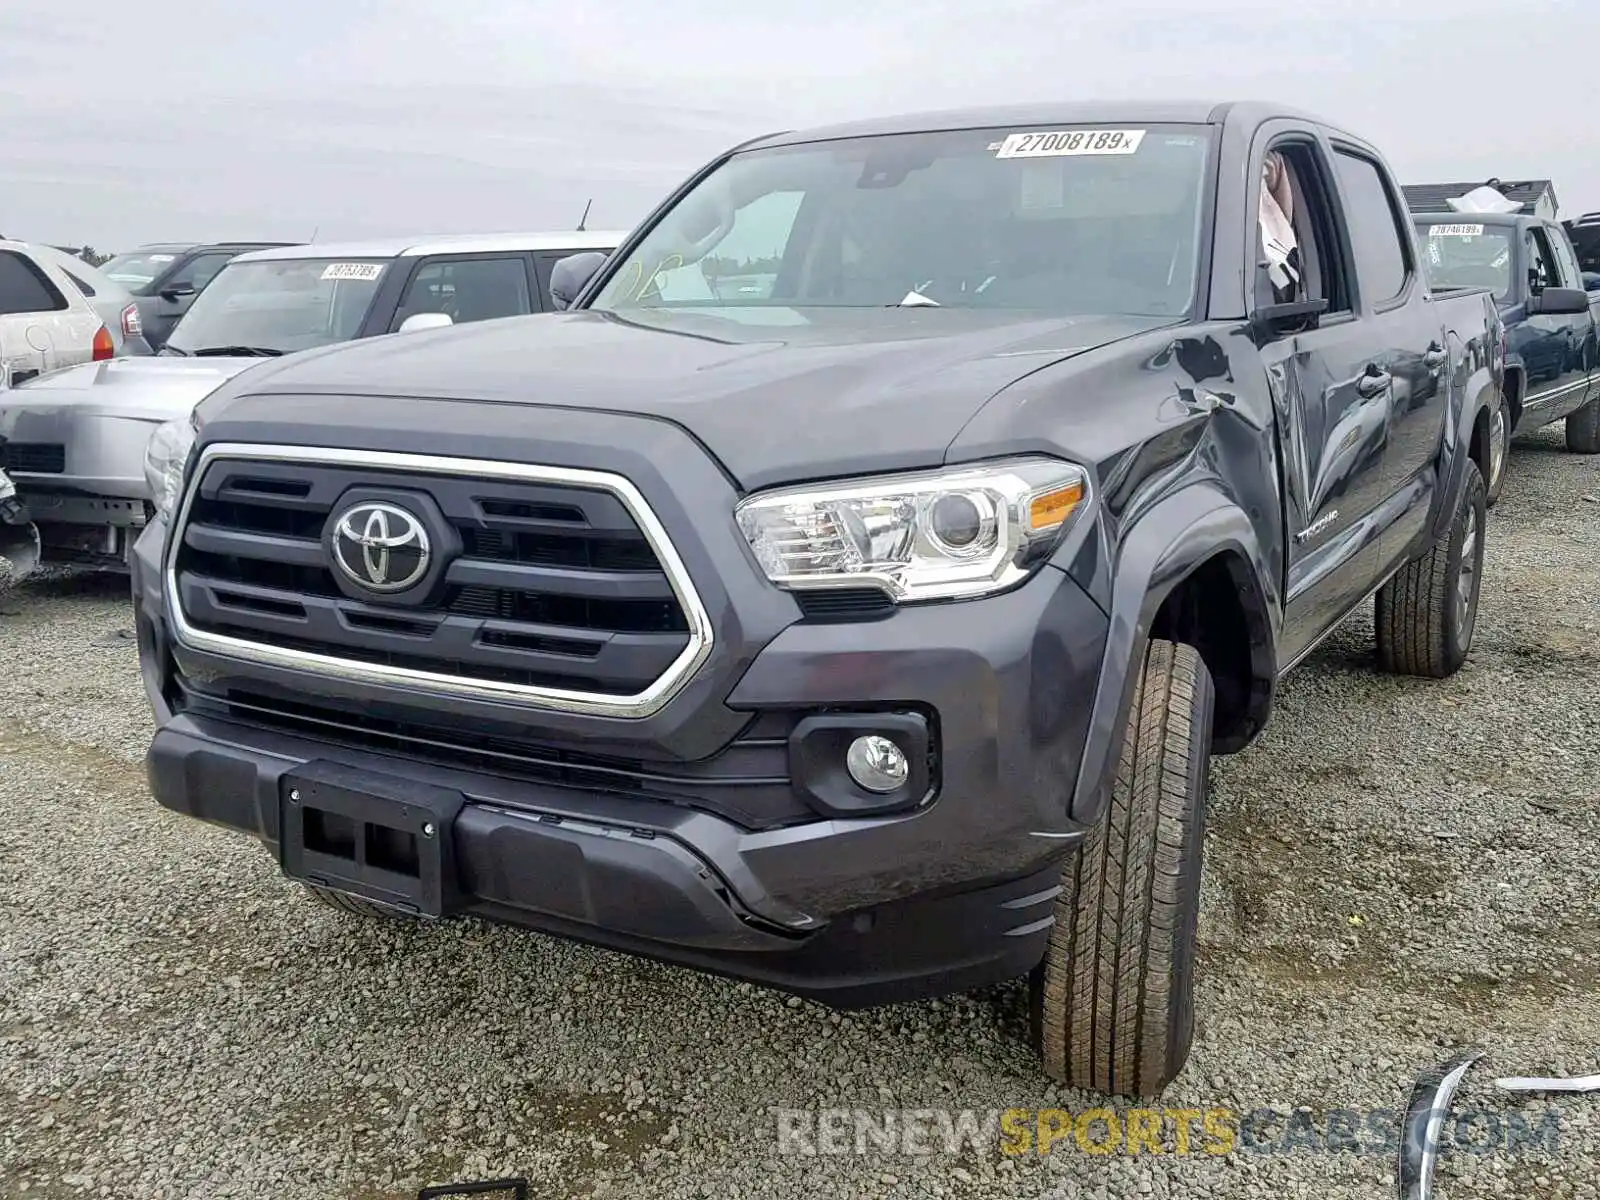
[
  {"x": 1467, "y": 577},
  {"x": 1498, "y": 444}
]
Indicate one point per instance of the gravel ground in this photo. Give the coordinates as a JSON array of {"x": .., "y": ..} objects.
[{"x": 1398, "y": 868}]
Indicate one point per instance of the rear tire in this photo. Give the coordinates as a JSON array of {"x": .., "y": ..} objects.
[
  {"x": 1427, "y": 613},
  {"x": 1499, "y": 452},
  {"x": 358, "y": 907},
  {"x": 1113, "y": 1000},
  {"x": 1583, "y": 429}
]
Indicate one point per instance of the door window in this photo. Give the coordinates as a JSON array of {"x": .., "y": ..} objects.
[
  {"x": 24, "y": 288},
  {"x": 201, "y": 269},
  {"x": 1566, "y": 262},
  {"x": 1379, "y": 230},
  {"x": 474, "y": 289},
  {"x": 1542, "y": 270},
  {"x": 1296, "y": 248}
]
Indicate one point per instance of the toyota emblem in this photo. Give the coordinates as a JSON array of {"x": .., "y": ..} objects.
[{"x": 380, "y": 547}]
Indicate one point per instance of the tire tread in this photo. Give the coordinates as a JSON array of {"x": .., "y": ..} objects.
[{"x": 1110, "y": 1012}]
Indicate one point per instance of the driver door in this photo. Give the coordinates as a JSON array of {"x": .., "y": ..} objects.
[{"x": 1331, "y": 413}]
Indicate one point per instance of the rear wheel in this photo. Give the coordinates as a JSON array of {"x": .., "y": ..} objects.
[
  {"x": 1583, "y": 429},
  {"x": 1427, "y": 613},
  {"x": 1113, "y": 1006},
  {"x": 1499, "y": 452}
]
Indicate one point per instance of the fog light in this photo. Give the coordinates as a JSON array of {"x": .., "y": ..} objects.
[{"x": 876, "y": 763}]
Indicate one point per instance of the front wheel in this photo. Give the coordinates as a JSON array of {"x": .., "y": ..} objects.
[
  {"x": 1583, "y": 429},
  {"x": 355, "y": 906},
  {"x": 1426, "y": 614},
  {"x": 1113, "y": 1006}
]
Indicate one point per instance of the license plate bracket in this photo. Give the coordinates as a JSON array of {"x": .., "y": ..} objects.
[{"x": 372, "y": 836}]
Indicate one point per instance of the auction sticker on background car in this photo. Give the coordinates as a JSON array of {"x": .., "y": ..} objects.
[{"x": 356, "y": 270}]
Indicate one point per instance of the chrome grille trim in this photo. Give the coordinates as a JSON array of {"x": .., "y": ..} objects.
[{"x": 696, "y": 650}]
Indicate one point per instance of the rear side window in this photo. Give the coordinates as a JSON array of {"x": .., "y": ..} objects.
[
  {"x": 1378, "y": 229},
  {"x": 83, "y": 285},
  {"x": 469, "y": 290},
  {"x": 24, "y": 288}
]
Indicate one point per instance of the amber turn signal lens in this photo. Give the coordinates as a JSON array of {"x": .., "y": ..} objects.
[{"x": 1049, "y": 509}]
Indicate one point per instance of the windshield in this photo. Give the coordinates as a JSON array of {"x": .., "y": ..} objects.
[
  {"x": 1072, "y": 220},
  {"x": 1467, "y": 256},
  {"x": 136, "y": 271},
  {"x": 280, "y": 305}
]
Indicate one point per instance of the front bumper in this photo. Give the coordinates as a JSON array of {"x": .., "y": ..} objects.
[{"x": 956, "y": 894}]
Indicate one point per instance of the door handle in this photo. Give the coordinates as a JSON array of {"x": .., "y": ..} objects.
[
  {"x": 1434, "y": 357},
  {"x": 1374, "y": 382}
]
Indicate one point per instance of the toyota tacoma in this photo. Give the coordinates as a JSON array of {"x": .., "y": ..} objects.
[{"x": 849, "y": 590}]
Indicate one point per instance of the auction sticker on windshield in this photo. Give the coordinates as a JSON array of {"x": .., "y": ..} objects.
[
  {"x": 1059, "y": 143},
  {"x": 352, "y": 271},
  {"x": 1455, "y": 230}
]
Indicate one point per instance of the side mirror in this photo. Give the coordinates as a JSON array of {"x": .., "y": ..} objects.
[
  {"x": 177, "y": 291},
  {"x": 425, "y": 320},
  {"x": 1558, "y": 301},
  {"x": 571, "y": 275},
  {"x": 1275, "y": 320}
]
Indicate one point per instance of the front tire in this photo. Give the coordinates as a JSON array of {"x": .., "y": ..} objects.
[
  {"x": 1427, "y": 613},
  {"x": 1113, "y": 1000},
  {"x": 354, "y": 906},
  {"x": 1583, "y": 429}
]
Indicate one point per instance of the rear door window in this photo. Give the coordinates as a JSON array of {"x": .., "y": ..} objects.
[
  {"x": 24, "y": 288},
  {"x": 468, "y": 289},
  {"x": 1379, "y": 231}
]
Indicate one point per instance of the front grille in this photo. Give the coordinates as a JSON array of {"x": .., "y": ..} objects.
[
  {"x": 547, "y": 586},
  {"x": 747, "y": 782},
  {"x": 34, "y": 458}
]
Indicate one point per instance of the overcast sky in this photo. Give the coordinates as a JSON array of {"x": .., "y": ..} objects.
[{"x": 352, "y": 118}]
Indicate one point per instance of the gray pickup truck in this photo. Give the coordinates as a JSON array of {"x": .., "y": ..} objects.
[{"x": 850, "y": 591}]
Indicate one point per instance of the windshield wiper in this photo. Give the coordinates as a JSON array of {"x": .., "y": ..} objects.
[
  {"x": 174, "y": 351},
  {"x": 237, "y": 352}
]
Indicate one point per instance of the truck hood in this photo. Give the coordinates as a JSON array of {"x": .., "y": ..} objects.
[
  {"x": 144, "y": 389},
  {"x": 775, "y": 394}
]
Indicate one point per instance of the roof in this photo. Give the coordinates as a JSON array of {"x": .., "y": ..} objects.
[
  {"x": 481, "y": 243},
  {"x": 185, "y": 247},
  {"x": 1090, "y": 112},
  {"x": 1435, "y": 197}
]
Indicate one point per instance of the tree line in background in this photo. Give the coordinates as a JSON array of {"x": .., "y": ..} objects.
[{"x": 88, "y": 253}]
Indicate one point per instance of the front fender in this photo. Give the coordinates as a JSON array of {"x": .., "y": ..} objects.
[{"x": 1164, "y": 546}]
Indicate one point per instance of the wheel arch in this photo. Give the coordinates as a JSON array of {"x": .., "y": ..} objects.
[{"x": 1191, "y": 569}]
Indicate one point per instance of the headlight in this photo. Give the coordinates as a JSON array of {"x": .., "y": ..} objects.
[
  {"x": 935, "y": 535},
  {"x": 165, "y": 457}
]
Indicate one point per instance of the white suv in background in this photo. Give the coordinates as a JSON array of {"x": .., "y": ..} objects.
[{"x": 47, "y": 319}]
